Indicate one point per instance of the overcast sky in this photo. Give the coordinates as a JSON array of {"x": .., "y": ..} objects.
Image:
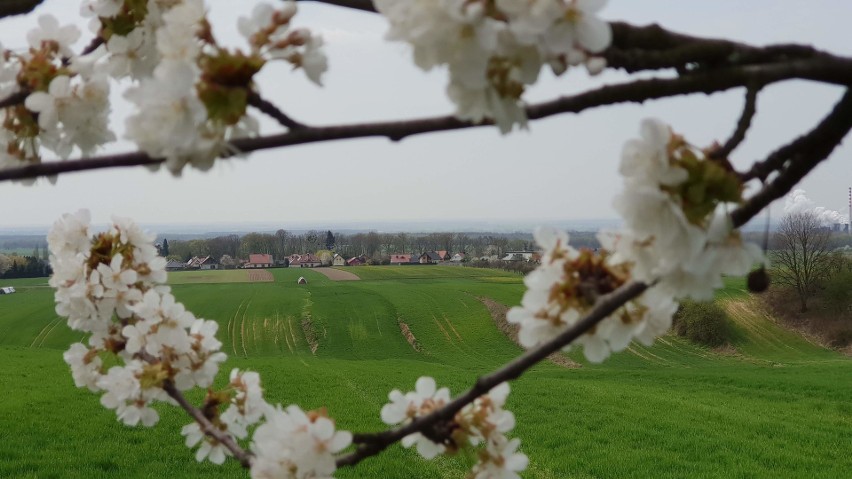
[{"x": 563, "y": 168}]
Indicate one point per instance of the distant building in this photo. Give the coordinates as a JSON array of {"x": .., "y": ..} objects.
[
  {"x": 519, "y": 256},
  {"x": 338, "y": 260},
  {"x": 444, "y": 255},
  {"x": 259, "y": 261},
  {"x": 356, "y": 261},
  {"x": 173, "y": 265},
  {"x": 400, "y": 258},
  {"x": 306, "y": 260},
  {"x": 457, "y": 258},
  {"x": 201, "y": 262},
  {"x": 429, "y": 257},
  {"x": 7, "y": 290}
]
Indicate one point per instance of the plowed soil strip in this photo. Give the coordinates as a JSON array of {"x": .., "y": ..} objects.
[
  {"x": 337, "y": 274},
  {"x": 261, "y": 276},
  {"x": 409, "y": 336}
]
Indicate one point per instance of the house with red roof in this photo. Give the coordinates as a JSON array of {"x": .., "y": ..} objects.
[
  {"x": 400, "y": 258},
  {"x": 356, "y": 261},
  {"x": 306, "y": 260},
  {"x": 259, "y": 261}
]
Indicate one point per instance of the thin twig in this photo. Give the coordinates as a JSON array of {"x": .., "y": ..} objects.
[
  {"x": 801, "y": 156},
  {"x": 93, "y": 45},
  {"x": 372, "y": 444},
  {"x": 362, "y": 5},
  {"x": 208, "y": 427},
  {"x": 749, "y": 109},
  {"x": 267, "y": 107},
  {"x": 638, "y": 91},
  {"x": 14, "y": 99}
]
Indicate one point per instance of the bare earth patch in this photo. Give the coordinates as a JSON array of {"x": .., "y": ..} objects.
[
  {"x": 308, "y": 328},
  {"x": 409, "y": 336},
  {"x": 337, "y": 274},
  {"x": 261, "y": 276},
  {"x": 498, "y": 314}
]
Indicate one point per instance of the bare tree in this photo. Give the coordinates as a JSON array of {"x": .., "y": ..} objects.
[
  {"x": 802, "y": 257},
  {"x": 5, "y": 263}
]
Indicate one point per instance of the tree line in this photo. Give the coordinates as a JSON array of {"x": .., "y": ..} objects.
[{"x": 372, "y": 245}]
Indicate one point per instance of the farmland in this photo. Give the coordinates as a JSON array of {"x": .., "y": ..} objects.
[{"x": 771, "y": 405}]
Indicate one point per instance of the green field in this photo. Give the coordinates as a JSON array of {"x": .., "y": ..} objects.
[{"x": 771, "y": 405}]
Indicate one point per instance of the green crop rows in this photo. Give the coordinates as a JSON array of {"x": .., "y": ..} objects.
[{"x": 771, "y": 405}]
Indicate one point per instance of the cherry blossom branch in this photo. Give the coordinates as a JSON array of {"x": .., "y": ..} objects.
[
  {"x": 208, "y": 427},
  {"x": 639, "y": 91},
  {"x": 18, "y": 97},
  {"x": 797, "y": 159},
  {"x": 372, "y": 444},
  {"x": 268, "y": 108},
  {"x": 749, "y": 110}
]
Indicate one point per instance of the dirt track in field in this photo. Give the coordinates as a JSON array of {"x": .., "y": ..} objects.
[
  {"x": 337, "y": 274},
  {"x": 261, "y": 276},
  {"x": 498, "y": 314}
]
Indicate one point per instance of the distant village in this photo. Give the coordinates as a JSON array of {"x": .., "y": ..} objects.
[
  {"x": 310, "y": 260},
  {"x": 314, "y": 249}
]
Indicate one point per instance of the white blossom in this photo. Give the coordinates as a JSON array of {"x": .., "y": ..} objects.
[
  {"x": 85, "y": 366},
  {"x": 100, "y": 8},
  {"x": 167, "y": 123},
  {"x": 215, "y": 453},
  {"x": 49, "y": 31},
  {"x": 9, "y": 69},
  {"x": 493, "y": 52},
  {"x": 294, "y": 444},
  {"x": 501, "y": 460}
]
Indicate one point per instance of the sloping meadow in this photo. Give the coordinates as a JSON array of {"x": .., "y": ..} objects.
[{"x": 776, "y": 406}]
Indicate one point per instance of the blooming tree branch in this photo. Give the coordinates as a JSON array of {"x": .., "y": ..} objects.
[
  {"x": 681, "y": 204},
  {"x": 638, "y": 91},
  {"x": 208, "y": 427}
]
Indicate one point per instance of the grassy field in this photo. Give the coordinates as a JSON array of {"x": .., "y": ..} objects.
[{"x": 771, "y": 405}]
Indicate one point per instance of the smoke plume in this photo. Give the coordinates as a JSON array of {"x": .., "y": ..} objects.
[{"x": 798, "y": 202}]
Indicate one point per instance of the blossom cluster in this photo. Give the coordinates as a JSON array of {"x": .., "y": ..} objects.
[
  {"x": 67, "y": 102},
  {"x": 675, "y": 208},
  {"x": 677, "y": 236},
  {"x": 482, "y": 422},
  {"x": 190, "y": 93},
  {"x": 495, "y": 49},
  {"x": 111, "y": 286}
]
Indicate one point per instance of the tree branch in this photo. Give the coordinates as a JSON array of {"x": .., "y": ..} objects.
[
  {"x": 14, "y": 99},
  {"x": 363, "y": 5},
  {"x": 17, "y": 7},
  {"x": 804, "y": 154},
  {"x": 372, "y": 444},
  {"x": 749, "y": 109},
  {"x": 636, "y": 91},
  {"x": 208, "y": 427},
  {"x": 651, "y": 47},
  {"x": 273, "y": 111}
]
